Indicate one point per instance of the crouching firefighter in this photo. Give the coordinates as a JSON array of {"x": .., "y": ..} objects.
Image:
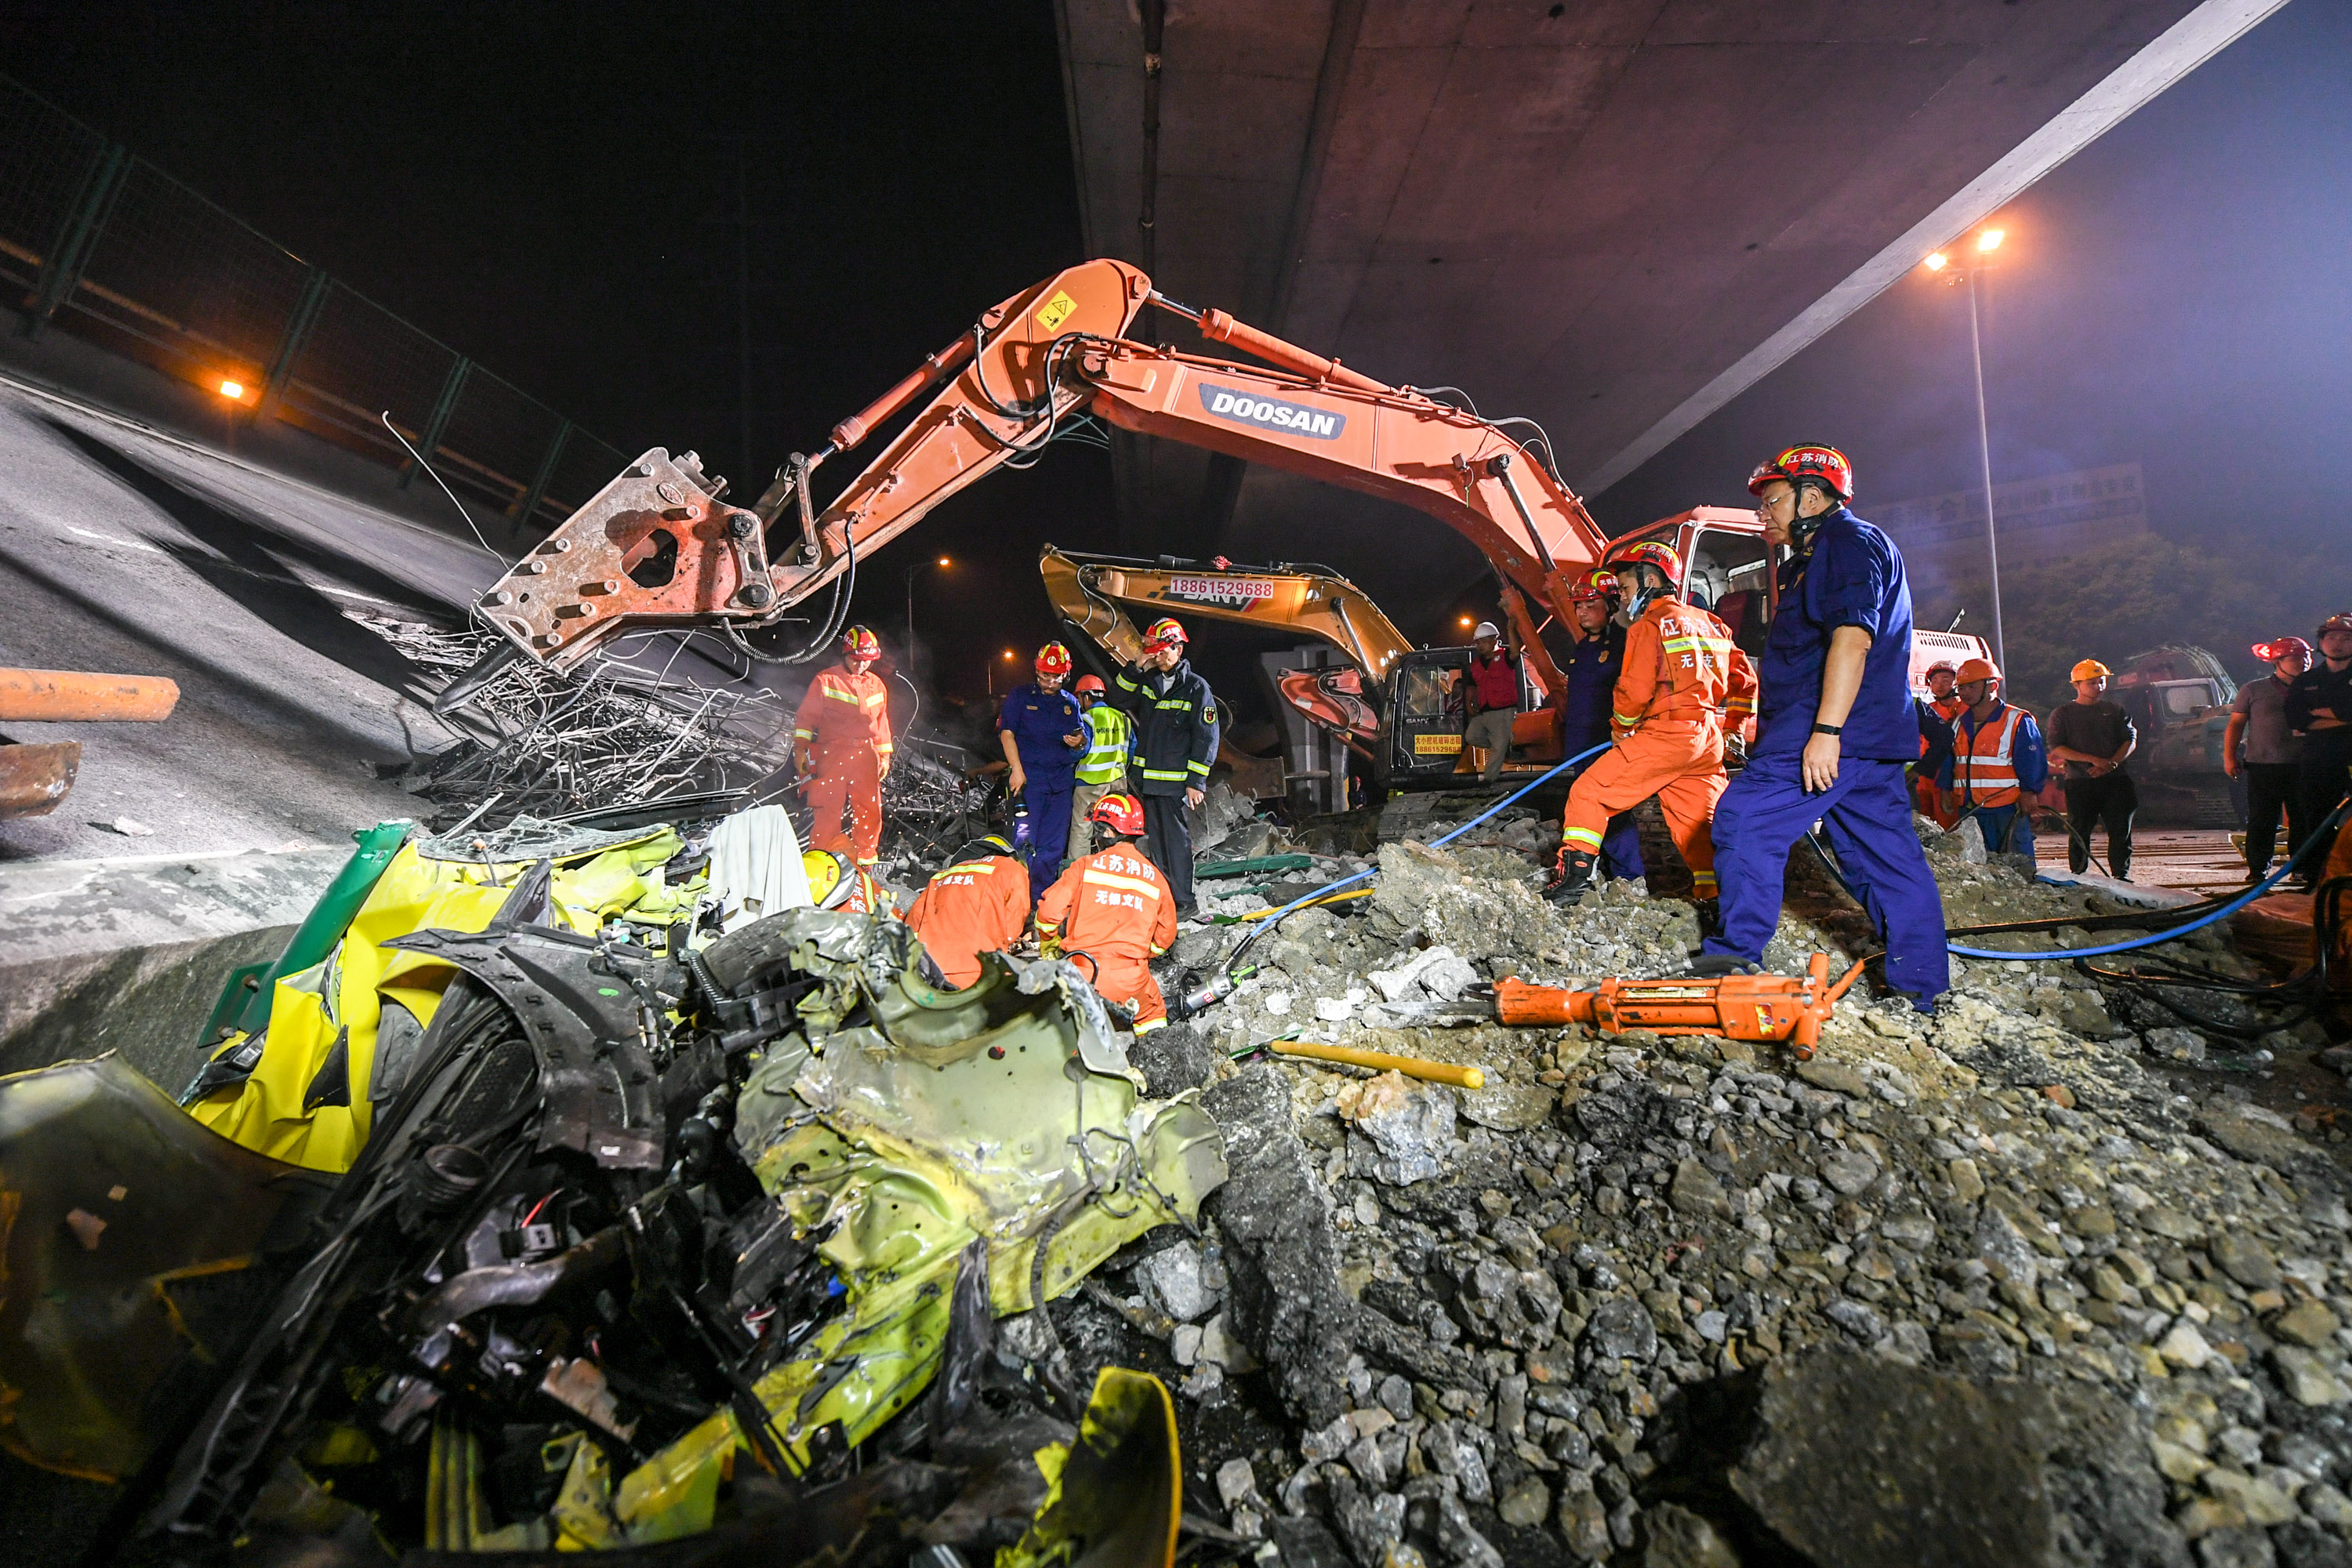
[
  {"x": 978, "y": 903},
  {"x": 1838, "y": 730},
  {"x": 1112, "y": 912},
  {"x": 835, "y": 884},
  {"x": 1681, "y": 681}
]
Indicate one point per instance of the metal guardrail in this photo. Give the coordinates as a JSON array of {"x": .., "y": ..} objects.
[{"x": 109, "y": 247}]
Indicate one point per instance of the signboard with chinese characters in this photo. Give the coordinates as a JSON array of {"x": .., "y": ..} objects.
[{"x": 2036, "y": 520}]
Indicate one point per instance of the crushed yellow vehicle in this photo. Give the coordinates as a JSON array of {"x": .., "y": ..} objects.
[
  {"x": 641, "y": 1241},
  {"x": 300, "y": 1080}
]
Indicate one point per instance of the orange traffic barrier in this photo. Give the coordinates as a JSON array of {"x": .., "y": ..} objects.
[
  {"x": 1736, "y": 1006},
  {"x": 49, "y": 695},
  {"x": 1381, "y": 1061}
]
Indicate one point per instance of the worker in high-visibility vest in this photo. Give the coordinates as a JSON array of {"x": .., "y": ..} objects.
[
  {"x": 979, "y": 902},
  {"x": 1112, "y": 913},
  {"x": 1681, "y": 683},
  {"x": 1997, "y": 762},
  {"x": 1103, "y": 767},
  {"x": 842, "y": 736}
]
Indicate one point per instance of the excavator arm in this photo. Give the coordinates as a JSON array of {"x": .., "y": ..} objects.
[
  {"x": 659, "y": 545},
  {"x": 1088, "y": 591}
]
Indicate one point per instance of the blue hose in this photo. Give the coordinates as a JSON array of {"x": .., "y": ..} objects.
[{"x": 2232, "y": 907}]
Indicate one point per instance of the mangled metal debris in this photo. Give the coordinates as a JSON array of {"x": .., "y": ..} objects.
[{"x": 642, "y": 1241}]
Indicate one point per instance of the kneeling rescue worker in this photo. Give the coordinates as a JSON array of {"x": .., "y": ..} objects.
[
  {"x": 1680, "y": 679},
  {"x": 1116, "y": 909},
  {"x": 835, "y": 884},
  {"x": 978, "y": 903},
  {"x": 1838, "y": 729}
]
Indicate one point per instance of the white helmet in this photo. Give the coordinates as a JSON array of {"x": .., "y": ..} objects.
[{"x": 1486, "y": 629}]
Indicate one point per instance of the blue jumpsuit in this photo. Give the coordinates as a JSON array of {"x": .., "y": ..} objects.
[
  {"x": 1038, "y": 720},
  {"x": 1852, "y": 576},
  {"x": 1592, "y": 669}
]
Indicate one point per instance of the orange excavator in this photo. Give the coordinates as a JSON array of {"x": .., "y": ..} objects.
[
  {"x": 660, "y": 546},
  {"x": 1396, "y": 707}
]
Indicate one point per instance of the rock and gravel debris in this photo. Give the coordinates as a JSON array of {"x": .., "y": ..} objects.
[{"x": 2034, "y": 1279}]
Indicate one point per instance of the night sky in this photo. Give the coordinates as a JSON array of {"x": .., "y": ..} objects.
[{"x": 554, "y": 190}]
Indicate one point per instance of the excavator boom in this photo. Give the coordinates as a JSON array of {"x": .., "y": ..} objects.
[{"x": 659, "y": 545}]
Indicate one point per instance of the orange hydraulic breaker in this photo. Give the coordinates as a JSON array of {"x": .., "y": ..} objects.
[{"x": 1736, "y": 1006}]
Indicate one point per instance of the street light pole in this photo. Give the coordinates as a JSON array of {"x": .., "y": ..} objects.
[
  {"x": 1984, "y": 452},
  {"x": 918, "y": 566}
]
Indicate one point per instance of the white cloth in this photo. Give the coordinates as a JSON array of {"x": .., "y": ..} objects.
[{"x": 755, "y": 866}]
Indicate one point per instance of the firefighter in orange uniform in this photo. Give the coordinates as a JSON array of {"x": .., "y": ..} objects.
[
  {"x": 842, "y": 735},
  {"x": 1682, "y": 684},
  {"x": 1113, "y": 907},
  {"x": 978, "y": 903},
  {"x": 835, "y": 884}
]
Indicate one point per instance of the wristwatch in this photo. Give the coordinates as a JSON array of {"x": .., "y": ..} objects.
[{"x": 1829, "y": 728}]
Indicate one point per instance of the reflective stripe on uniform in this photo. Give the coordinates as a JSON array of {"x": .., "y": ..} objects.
[
  {"x": 1103, "y": 879},
  {"x": 1150, "y": 1024},
  {"x": 1200, "y": 768},
  {"x": 1583, "y": 835},
  {"x": 1982, "y": 774},
  {"x": 1176, "y": 775},
  {"x": 839, "y": 696},
  {"x": 1176, "y": 702}
]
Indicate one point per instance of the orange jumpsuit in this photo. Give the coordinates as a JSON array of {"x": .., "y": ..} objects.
[
  {"x": 843, "y": 730},
  {"x": 972, "y": 908},
  {"x": 1681, "y": 683},
  {"x": 1114, "y": 905}
]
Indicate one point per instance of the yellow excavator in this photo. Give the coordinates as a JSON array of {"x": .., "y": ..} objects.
[{"x": 1399, "y": 709}]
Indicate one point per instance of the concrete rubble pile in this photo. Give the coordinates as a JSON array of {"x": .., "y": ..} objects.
[{"x": 2004, "y": 1283}]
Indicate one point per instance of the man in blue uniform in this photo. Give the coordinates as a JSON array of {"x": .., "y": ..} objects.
[
  {"x": 1837, "y": 729},
  {"x": 1044, "y": 735},
  {"x": 1590, "y": 669}
]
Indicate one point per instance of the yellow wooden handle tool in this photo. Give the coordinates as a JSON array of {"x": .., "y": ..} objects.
[{"x": 1381, "y": 1061}]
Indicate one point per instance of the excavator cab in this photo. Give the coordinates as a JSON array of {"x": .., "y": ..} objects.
[{"x": 1726, "y": 567}]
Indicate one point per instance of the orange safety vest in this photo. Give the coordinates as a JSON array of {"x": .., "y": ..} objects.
[
  {"x": 843, "y": 711},
  {"x": 1982, "y": 769}
]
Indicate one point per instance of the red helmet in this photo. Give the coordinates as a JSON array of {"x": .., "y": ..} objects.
[
  {"x": 1946, "y": 666},
  {"x": 1122, "y": 814},
  {"x": 1648, "y": 553},
  {"x": 1826, "y": 465},
  {"x": 2339, "y": 622},
  {"x": 1089, "y": 683},
  {"x": 1163, "y": 633},
  {"x": 2271, "y": 652},
  {"x": 859, "y": 642},
  {"x": 1053, "y": 660},
  {"x": 1587, "y": 587}
]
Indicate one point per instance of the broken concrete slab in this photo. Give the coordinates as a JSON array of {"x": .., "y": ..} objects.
[{"x": 128, "y": 955}]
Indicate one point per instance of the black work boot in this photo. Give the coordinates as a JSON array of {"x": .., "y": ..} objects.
[
  {"x": 1572, "y": 879},
  {"x": 1710, "y": 917}
]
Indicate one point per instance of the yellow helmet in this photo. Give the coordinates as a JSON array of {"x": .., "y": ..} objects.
[
  {"x": 2090, "y": 669},
  {"x": 828, "y": 877}
]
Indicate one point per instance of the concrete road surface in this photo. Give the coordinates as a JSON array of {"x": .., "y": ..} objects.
[{"x": 126, "y": 549}]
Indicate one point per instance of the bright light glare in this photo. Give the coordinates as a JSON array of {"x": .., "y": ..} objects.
[
  {"x": 1467, "y": 621},
  {"x": 231, "y": 389},
  {"x": 1990, "y": 241},
  {"x": 1008, "y": 653},
  {"x": 1937, "y": 262},
  {"x": 943, "y": 560}
]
